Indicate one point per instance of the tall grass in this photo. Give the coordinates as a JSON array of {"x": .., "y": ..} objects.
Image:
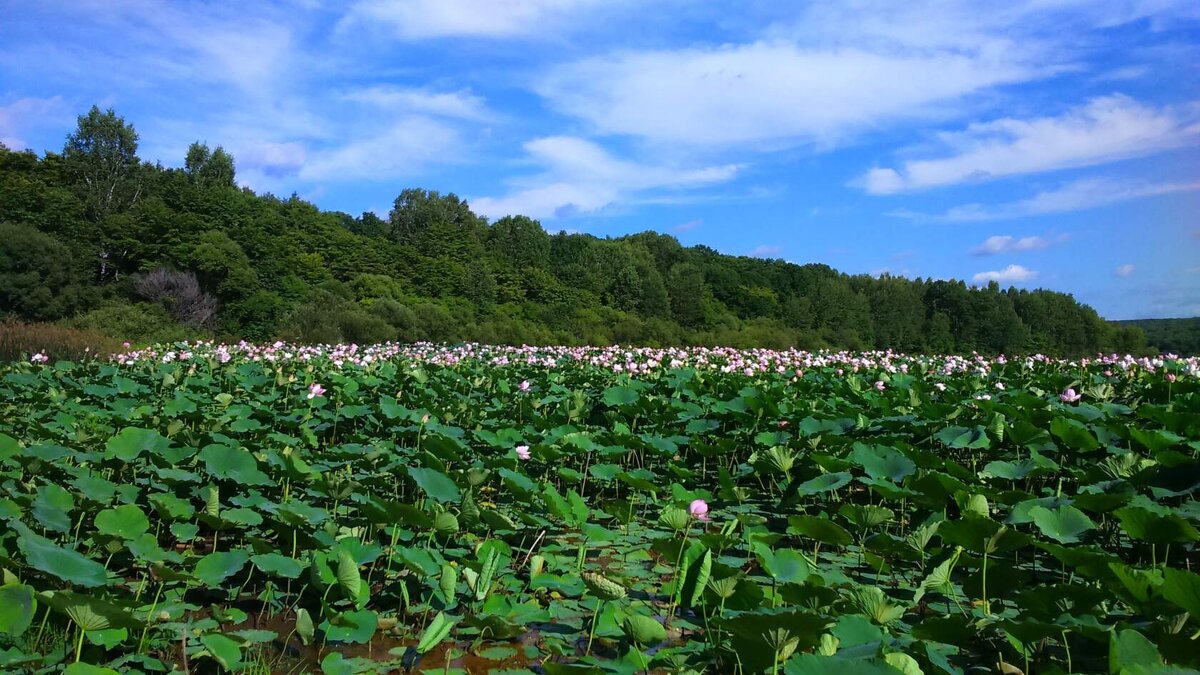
[{"x": 19, "y": 341}]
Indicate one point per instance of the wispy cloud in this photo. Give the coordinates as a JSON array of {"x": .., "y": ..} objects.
[
  {"x": 1079, "y": 195},
  {"x": 1076, "y": 196},
  {"x": 936, "y": 24},
  {"x": 1103, "y": 130},
  {"x": 1003, "y": 243},
  {"x": 688, "y": 226},
  {"x": 1010, "y": 274},
  {"x": 1124, "y": 271},
  {"x": 580, "y": 176},
  {"x": 767, "y": 93},
  {"x": 766, "y": 251},
  {"x": 426, "y": 19},
  {"x": 460, "y": 104},
  {"x": 406, "y": 147},
  {"x": 26, "y": 114}
]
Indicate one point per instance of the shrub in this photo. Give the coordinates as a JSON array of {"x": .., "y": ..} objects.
[
  {"x": 19, "y": 341},
  {"x": 141, "y": 322},
  {"x": 331, "y": 320},
  {"x": 180, "y": 294}
]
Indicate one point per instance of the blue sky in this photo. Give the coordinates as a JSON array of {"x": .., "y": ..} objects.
[{"x": 1043, "y": 143}]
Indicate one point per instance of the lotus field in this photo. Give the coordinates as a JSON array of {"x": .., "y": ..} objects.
[{"x": 208, "y": 508}]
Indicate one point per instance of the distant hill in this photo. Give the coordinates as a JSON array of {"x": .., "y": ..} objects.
[{"x": 1179, "y": 336}]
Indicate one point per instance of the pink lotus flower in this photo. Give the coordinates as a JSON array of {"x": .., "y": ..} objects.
[
  {"x": 1170, "y": 377},
  {"x": 524, "y": 386},
  {"x": 315, "y": 390},
  {"x": 1069, "y": 396},
  {"x": 523, "y": 452},
  {"x": 40, "y": 357},
  {"x": 699, "y": 509},
  {"x": 880, "y": 385},
  {"x": 783, "y": 424}
]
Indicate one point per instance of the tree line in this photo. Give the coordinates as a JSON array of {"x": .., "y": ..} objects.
[
  {"x": 1169, "y": 336},
  {"x": 96, "y": 238}
]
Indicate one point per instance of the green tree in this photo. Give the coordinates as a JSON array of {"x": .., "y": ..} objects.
[
  {"x": 35, "y": 282},
  {"x": 416, "y": 210},
  {"x": 688, "y": 294},
  {"x": 102, "y": 155},
  {"x": 520, "y": 242},
  {"x": 209, "y": 167},
  {"x": 221, "y": 265}
]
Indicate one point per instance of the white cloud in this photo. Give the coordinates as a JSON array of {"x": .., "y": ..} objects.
[
  {"x": 765, "y": 251},
  {"x": 1010, "y": 274},
  {"x": 274, "y": 158},
  {"x": 582, "y": 177},
  {"x": 1124, "y": 73},
  {"x": 1004, "y": 243},
  {"x": 1088, "y": 193},
  {"x": 938, "y": 24},
  {"x": 459, "y": 104},
  {"x": 1103, "y": 130},
  {"x": 405, "y": 147},
  {"x": 688, "y": 226},
  {"x": 424, "y": 19},
  {"x": 26, "y": 114},
  {"x": 249, "y": 47},
  {"x": 769, "y": 92},
  {"x": 1124, "y": 271}
]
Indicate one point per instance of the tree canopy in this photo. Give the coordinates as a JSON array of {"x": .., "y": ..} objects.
[{"x": 81, "y": 231}]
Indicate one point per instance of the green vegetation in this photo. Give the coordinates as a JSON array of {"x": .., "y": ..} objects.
[
  {"x": 103, "y": 241},
  {"x": 342, "y": 510},
  {"x": 1169, "y": 336}
]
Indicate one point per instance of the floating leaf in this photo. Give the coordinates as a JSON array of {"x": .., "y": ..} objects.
[{"x": 356, "y": 627}]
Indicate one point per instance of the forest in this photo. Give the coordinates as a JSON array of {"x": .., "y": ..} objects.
[
  {"x": 1169, "y": 336},
  {"x": 96, "y": 238}
]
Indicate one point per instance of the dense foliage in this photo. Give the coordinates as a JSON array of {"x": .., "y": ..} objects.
[
  {"x": 80, "y": 231},
  {"x": 348, "y": 509},
  {"x": 1170, "y": 336}
]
